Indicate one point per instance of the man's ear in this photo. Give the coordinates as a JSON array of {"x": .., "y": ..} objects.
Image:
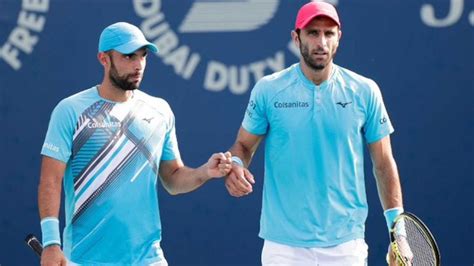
[
  {"x": 102, "y": 57},
  {"x": 295, "y": 38}
]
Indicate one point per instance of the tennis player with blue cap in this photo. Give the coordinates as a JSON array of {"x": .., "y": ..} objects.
[
  {"x": 108, "y": 145},
  {"x": 316, "y": 118}
]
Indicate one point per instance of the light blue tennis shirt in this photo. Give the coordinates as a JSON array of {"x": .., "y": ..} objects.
[
  {"x": 314, "y": 193},
  {"x": 112, "y": 153}
]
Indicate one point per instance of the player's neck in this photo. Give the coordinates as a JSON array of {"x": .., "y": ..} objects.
[
  {"x": 108, "y": 91},
  {"x": 317, "y": 76}
]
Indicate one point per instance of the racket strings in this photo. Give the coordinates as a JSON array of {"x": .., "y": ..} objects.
[{"x": 419, "y": 244}]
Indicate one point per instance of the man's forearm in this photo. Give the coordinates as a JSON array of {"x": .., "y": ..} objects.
[
  {"x": 50, "y": 187},
  {"x": 185, "y": 179},
  {"x": 49, "y": 197},
  {"x": 388, "y": 184}
]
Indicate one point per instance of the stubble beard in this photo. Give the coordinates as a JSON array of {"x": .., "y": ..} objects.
[
  {"x": 121, "y": 82},
  {"x": 310, "y": 62}
]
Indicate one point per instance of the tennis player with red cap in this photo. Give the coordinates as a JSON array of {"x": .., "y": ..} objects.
[{"x": 316, "y": 118}]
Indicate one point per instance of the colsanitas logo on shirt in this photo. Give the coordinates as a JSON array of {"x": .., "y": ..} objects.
[
  {"x": 51, "y": 147},
  {"x": 103, "y": 124},
  {"x": 296, "y": 104}
]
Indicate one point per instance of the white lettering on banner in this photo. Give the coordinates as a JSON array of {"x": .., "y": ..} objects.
[
  {"x": 454, "y": 14},
  {"x": 218, "y": 75},
  {"x": 24, "y": 36},
  {"x": 146, "y": 8},
  {"x": 155, "y": 28}
]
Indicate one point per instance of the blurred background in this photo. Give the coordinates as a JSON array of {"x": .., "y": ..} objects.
[{"x": 420, "y": 52}]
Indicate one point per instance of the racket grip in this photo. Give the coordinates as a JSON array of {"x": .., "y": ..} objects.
[{"x": 34, "y": 244}]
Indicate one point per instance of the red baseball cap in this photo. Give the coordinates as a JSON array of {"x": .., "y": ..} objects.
[{"x": 315, "y": 9}]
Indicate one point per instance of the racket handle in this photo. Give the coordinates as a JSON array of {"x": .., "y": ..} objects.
[{"x": 34, "y": 244}]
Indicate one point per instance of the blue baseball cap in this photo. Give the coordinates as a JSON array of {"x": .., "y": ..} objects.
[{"x": 124, "y": 38}]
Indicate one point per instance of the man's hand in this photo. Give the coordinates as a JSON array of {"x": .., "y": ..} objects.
[
  {"x": 219, "y": 164},
  {"x": 53, "y": 256},
  {"x": 239, "y": 181}
]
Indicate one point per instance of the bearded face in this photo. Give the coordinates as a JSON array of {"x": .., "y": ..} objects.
[
  {"x": 125, "y": 81},
  {"x": 318, "y": 43}
]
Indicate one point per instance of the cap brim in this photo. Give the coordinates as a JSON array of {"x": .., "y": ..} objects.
[{"x": 131, "y": 47}]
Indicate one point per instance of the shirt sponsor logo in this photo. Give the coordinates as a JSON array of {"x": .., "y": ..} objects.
[
  {"x": 51, "y": 147},
  {"x": 343, "y": 104},
  {"x": 148, "y": 120},
  {"x": 103, "y": 124},
  {"x": 296, "y": 104}
]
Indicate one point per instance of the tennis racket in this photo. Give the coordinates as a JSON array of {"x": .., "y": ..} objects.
[
  {"x": 34, "y": 244},
  {"x": 412, "y": 242}
]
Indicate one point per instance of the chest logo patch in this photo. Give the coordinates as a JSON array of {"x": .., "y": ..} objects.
[{"x": 343, "y": 104}]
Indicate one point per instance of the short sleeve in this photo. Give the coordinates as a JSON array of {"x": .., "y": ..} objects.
[
  {"x": 378, "y": 124},
  {"x": 58, "y": 141},
  {"x": 255, "y": 118},
  {"x": 170, "y": 146}
]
